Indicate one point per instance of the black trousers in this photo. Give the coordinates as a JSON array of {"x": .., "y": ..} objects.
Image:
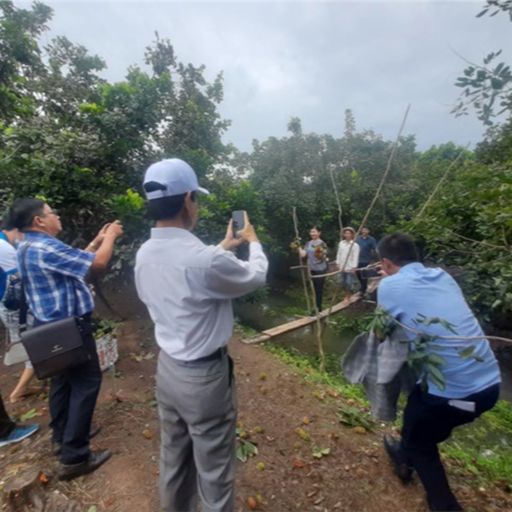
[
  {"x": 318, "y": 284},
  {"x": 73, "y": 396},
  {"x": 429, "y": 420},
  {"x": 362, "y": 275},
  {"x": 6, "y": 424}
]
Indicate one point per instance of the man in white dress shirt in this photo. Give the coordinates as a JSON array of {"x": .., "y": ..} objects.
[{"x": 187, "y": 287}]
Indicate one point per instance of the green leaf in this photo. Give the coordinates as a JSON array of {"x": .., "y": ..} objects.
[
  {"x": 245, "y": 450},
  {"x": 496, "y": 303},
  {"x": 436, "y": 360},
  {"x": 353, "y": 417},
  {"x": 29, "y": 415},
  {"x": 447, "y": 325},
  {"x": 467, "y": 352},
  {"x": 92, "y": 508},
  {"x": 318, "y": 453},
  {"x": 416, "y": 355},
  {"x": 435, "y": 374}
]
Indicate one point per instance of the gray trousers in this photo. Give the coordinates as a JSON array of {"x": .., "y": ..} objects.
[{"x": 197, "y": 408}]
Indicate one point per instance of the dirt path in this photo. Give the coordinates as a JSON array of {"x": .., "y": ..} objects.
[{"x": 273, "y": 403}]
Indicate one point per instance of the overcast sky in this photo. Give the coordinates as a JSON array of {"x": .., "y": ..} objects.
[{"x": 307, "y": 59}]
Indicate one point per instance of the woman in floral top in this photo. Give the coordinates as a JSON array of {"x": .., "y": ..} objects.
[{"x": 316, "y": 253}]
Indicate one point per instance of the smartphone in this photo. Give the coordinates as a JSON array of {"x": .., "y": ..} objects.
[{"x": 238, "y": 217}]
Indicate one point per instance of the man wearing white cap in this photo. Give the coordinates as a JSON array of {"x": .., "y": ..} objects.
[{"x": 187, "y": 287}]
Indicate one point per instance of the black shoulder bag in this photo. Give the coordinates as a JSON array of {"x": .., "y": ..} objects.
[{"x": 56, "y": 346}]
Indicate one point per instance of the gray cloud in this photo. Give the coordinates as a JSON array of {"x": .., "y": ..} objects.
[{"x": 307, "y": 59}]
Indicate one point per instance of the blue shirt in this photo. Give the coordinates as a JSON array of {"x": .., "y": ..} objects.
[
  {"x": 432, "y": 292},
  {"x": 53, "y": 274},
  {"x": 367, "y": 249}
]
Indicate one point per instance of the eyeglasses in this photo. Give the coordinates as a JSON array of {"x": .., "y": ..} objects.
[{"x": 52, "y": 212}]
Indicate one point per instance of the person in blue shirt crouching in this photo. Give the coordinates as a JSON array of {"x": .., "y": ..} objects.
[{"x": 471, "y": 384}]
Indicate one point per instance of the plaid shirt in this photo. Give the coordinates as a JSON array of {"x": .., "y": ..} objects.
[
  {"x": 382, "y": 370},
  {"x": 53, "y": 274}
]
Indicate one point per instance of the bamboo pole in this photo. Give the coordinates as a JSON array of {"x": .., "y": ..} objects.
[
  {"x": 338, "y": 203},
  {"x": 439, "y": 183},
  {"x": 319, "y": 338},
  {"x": 297, "y": 238},
  {"x": 375, "y": 197}
]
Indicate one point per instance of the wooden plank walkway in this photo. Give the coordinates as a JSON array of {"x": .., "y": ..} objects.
[{"x": 307, "y": 320}]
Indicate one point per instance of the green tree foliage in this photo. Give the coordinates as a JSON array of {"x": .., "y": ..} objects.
[
  {"x": 20, "y": 56},
  {"x": 468, "y": 226},
  {"x": 497, "y": 145},
  {"x": 295, "y": 171},
  {"x": 487, "y": 88},
  {"x": 82, "y": 143},
  {"x": 229, "y": 190}
]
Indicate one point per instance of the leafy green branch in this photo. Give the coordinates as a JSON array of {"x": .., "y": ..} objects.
[{"x": 245, "y": 449}]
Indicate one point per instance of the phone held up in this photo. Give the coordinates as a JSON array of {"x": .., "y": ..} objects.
[{"x": 238, "y": 217}]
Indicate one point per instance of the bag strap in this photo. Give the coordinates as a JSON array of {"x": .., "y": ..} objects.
[{"x": 23, "y": 270}]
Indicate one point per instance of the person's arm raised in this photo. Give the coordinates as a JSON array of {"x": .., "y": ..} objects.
[
  {"x": 228, "y": 277},
  {"x": 248, "y": 234},
  {"x": 94, "y": 244},
  {"x": 103, "y": 254}
]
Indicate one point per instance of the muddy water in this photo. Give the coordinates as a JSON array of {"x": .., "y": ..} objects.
[
  {"x": 278, "y": 309},
  {"x": 261, "y": 317}
]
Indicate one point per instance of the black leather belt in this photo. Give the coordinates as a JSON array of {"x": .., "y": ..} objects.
[
  {"x": 214, "y": 356},
  {"x": 218, "y": 354}
]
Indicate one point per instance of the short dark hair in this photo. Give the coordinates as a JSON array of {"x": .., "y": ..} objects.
[
  {"x": 167, "y": 207},
  {"x": 7, "y": 222},
  {"x": 399, "y": 248},
  {"x": 23, "y": 211}
]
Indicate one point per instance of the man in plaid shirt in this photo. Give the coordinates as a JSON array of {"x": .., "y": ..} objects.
[{"x": 54, "y": 278}]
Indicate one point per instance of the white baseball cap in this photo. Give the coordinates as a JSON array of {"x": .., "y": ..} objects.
[{"x": 175, "y": 177}]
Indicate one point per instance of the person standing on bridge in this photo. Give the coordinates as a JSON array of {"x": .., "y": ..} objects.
[
  {"x": 471, "y": 379},
  {"x": 187, "y": 287},
  {"x": 315, "y": 251},
  {"x": 347, "y": 259}
]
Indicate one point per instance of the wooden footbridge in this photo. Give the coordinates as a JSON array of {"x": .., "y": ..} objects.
[{"x": 307, "y": 320}]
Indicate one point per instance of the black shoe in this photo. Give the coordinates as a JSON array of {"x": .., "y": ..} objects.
[
  {"x": 95, "y": 430},
  {"x": 400, "y": 466},
  {"x": 95, "y": 460},
  {"x": 453, "y": 506},
  {"x": 57, "y": 447}
]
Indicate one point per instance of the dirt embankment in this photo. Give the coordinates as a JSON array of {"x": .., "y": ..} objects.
[{"x": 286, "y": 417}]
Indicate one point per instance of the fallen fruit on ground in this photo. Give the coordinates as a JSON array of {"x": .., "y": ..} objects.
[{"x": 252, "y": 503}]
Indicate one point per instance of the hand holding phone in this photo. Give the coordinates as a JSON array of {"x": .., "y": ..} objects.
[
  {"x": 247, "y": 233},
  {"x": 236, "y": 235},
  {"x": 238, "y": 221}
]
